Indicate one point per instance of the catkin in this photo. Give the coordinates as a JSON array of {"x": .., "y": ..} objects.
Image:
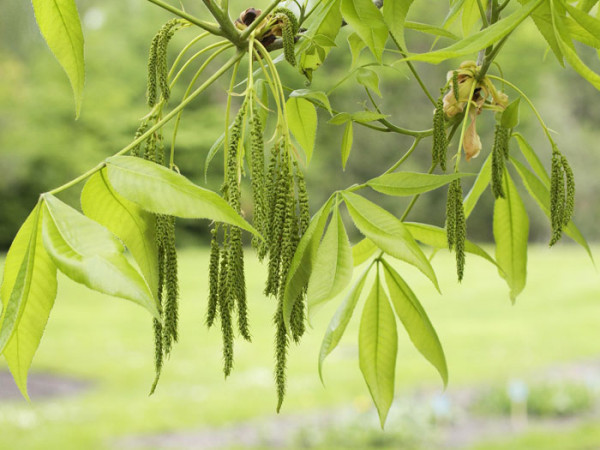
[
  {"x": 213, "y": 277},
  {"x": 456, "y": 225},
  {"x": 499, "y": 155},
  {"x": 451, "y": 216},
  {"x": 281, "y": 344},
  {"x": 557, "y": 197},
  {"x": 455, "y": 86},
  {"x": 440, "y": 140},
  {"x": 302, "y": 200},
  {"x": 461, "y": 232},
  {"x": 257, "y": 173},
  {"x": 570, "y": 192},
  {"x": 157, "y": 63}
]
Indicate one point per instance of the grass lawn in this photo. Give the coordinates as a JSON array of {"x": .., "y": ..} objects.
[{"x": 109, "y": 342}]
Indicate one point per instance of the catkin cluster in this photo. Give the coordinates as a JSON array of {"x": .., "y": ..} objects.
[
  {"x": 499, "y": 157},
  {"x": 158, "y": 82},
  {"x": 440, "y": 139},
  {"x": 562, "y": 194},
  {"x": 227, "y": 284},
  {"x": 456, "y": 225},
  {"x": 281, "y": 215},
  {"x": 288, "y": 219}
]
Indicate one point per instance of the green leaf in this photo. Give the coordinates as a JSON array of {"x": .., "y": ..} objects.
[
  {"x": 394, "y": 15},
  {"x": 580, "y": 34},
  {"x": 470, "y": 16},
  {"x": 568, "y": 49},
  {"x": 58, "y": 21},
  {"x": 302, "y": 120},
  {"x": 89, "y": 254},
  {"x": 364, "y": 18},
  {"x": 28, "y": 292},
  {"x": 415, "y": 321},
  {"x": 587, "y": 22},
  {"x": 326, "y": 21},
  {"x": 332, "y": 266},
  {"x": 126, "y": 220},
  {"x": 430, "y": 29},
  {"x": 339, "y": 322},
  {"x": 159, "y": 190},
  {"x": 377, "y": 348},
  {"x": 340, "y": 119},
  {"x": 356, "y": 46},
  {"x": 481, "y": 183},
  {"x": 511, "y": 231},
  {"x": 532, "y": 159},
  {"x": 411, "y": 183},
  {"x": 303, "y": 262},
  {"x": 369, "y": 79},
  {"x": 388, "y": 233},
  {"x": 541, "y": 194},
  {"x": 347, "y": 141},
  {"x": 481, "y": 39},
  {"x": 367, "y": 116},
  {"x": 436, "y": 237},
  {"x": 542, "y": 17},
  {"x": 319, "y": 96},
  {"x": 510, "y": 116},
  {"x": 363, "y": 250}
]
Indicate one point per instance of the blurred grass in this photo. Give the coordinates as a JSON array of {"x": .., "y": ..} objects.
[{"x": 109, "y": 342}]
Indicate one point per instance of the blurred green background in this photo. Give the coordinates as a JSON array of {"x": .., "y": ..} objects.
[{"x": 94, "y": 367}]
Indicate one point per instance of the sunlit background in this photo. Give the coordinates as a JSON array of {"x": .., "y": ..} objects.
[{"x": 521, "y": 377}]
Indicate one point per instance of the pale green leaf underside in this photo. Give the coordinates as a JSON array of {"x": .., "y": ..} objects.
[
  {"x": 126, "y": 220},
  {"x": 377, "y": 348},
  {"x": 388, "y": 233},
  {"x": 332, "y": 267},
  {"x": 162, "y": 191},
  {"x": 302, "y": 120},
  {"x": 511, "y": 231},
  {"x": 415, "y": 321},
  {"x": 89, "y": 254},
  {"x": 59, "y": 23},
  {"x": 28, "y": 292},
  {"x": 339, "y": 322}
]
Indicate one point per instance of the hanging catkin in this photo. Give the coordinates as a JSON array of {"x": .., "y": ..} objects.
[
  {"x": 456, "y": 225},
  {"x": 257, "y": 174},
  {"x": 440, "y": 140},
  {"x": 557, "y": 197},
  {"x": 499, "y": 156},
  {"x": 158, "y": 70},
  {"x": 213, "y": 276},
  {"x": 289, "y": 28}
]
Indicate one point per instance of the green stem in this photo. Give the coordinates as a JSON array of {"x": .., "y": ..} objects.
[
  {"x": 431, "y": 169},
  {"x": 184, "y": 50},
  {"x": 227, "y": 116},
  {"x": 228, "y": 30},
  {"x": 484, "y": 18},
  {"x": 414, "y": 71},
  {"x": 234, "y": 59},
  {"x": 529, "y": 102},
  {"x": 464, "y": 126},
  {"x": 185, "y": 95},
  {"x": 196, "y": 55},
  {"x": 211, "y": 28}
]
